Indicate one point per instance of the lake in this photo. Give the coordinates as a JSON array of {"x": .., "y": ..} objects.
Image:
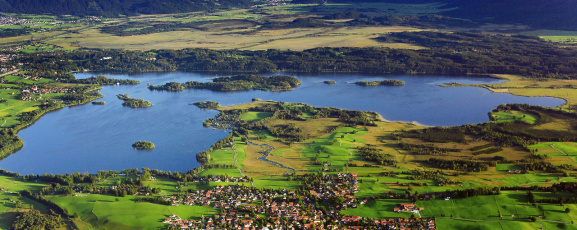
[{"x": 90, "y": 138}]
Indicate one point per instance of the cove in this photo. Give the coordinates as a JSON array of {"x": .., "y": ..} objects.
[{"x": 90, "y": 138}]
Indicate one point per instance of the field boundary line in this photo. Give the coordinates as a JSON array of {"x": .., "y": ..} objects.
[{"x": 567, "y": 155}]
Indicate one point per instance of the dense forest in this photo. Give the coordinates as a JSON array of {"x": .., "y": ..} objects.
[
  {"x": 4, "y": 33},
  {"x": 553, "y": 14},
  {"x": 507, "y": 134},
  {"x": 449, "y": 53},
  {"x": 103, "y": 80},
  {"x": 33, "y": 219}
]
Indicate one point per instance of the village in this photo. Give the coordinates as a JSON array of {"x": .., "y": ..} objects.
[
  {"x": 243, "y": 207},
  {"x": 29, "y": 93}
]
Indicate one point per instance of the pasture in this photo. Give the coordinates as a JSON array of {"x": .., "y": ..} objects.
[
  {"x": 510, "y": 116},
  {"x": 103, "y": 211},
  {"x": 378, "y": 209}
]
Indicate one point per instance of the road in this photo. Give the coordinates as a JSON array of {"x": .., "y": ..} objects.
[{"x": 11, "y": 72}]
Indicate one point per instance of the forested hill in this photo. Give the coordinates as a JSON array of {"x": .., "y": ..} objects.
[
  {"x": 115, "y": 7},
  {"x": 539, "y": 14},
  {"x": 550, "y": 14}
]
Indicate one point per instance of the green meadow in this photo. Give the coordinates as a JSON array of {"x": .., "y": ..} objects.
[
  {"x": 557, "y": 149},
  {"x": 335, "y": 148},
  {"x": 500, "y": 117},
  {"x": 255, "y": 116},
  {"x": 378, "y": 209},
  {"x": 104, "y": 212}
]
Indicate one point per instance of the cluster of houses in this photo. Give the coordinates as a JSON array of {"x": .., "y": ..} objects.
[
  {"x": 7, "y": 57},
  {"x": 9, "y": 21},
  {"x": 243, "y": 207},
  {"x": 272, "y": 3},
  {"x": 27, "y": 76},
  {"x": 221, "y": 178},
  {"x": 28, "y": 93},
  {"x": 341, "y": 184},
  {"x": 514, "y": 171},
  {"x": 408, "y": 207}
]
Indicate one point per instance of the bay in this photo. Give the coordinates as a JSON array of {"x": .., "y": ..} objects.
[{"x": 89, "y": 138}]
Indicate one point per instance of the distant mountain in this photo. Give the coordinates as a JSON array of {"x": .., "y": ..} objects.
[
  {"x": 115, "y": 7},
  {"x": 549, "y": 14},
  {"x": 540, "y": 14}
]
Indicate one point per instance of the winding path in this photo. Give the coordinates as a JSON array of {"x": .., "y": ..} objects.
[{"x": 236, "y": 164}]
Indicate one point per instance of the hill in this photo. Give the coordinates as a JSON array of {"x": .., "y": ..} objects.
[
  {"x": 553, "y": 14},
  {"x": 116, "y": 7}
]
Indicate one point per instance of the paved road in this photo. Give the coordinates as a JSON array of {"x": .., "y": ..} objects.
[{"x": 11, "y": 72}]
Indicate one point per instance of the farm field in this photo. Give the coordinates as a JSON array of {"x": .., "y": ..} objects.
[
  {"x": 103, "y": 211},
  {"x": 567, "y": 37}
]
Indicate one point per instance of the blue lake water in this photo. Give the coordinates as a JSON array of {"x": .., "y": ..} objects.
[{"x": 90, "y": 137}]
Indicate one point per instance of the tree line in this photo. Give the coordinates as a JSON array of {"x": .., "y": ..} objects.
[
  {"x": 372, "y": 153},
  {"x": 448, "y": 53},
  {"x": 465, "y": 165}
]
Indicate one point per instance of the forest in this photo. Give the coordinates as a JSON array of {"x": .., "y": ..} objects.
[{"x": 448, "y": 53}]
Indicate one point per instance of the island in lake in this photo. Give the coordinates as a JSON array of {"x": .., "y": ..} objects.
[
  {"x": 207, "y": 104},
  {"x": 383, "y": 82},
  {"x": 241, "y": 82},
  {"x": 133, "y": 102},
  {"x": 143, "y": 145}
]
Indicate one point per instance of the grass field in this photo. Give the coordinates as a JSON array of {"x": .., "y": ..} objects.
[
  {"x": 560, "y": 152},
  {"x": 378, "y": 209},
  {"x": 562, "y": 36},
  {"x": 514, "y": 116},
  {"x": 10, "y": 187},
  {"x": 255, "y": 116},
  {"x": 103, "y": 212},
  {"x": 294, "y": 39},
  {"x": 517, "y": 85}
]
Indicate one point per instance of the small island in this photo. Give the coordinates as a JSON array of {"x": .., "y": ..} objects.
[
  {"x": 331, "y": 82},
  {"x": 383, "y": 82},
  {"x": 98, "y": 103},
  {"x": 241, "y": 82},
  {"x": 133, "y": 102},
  {"x": 143, "y": 145},
  {"x": 207, "y": 104}
]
